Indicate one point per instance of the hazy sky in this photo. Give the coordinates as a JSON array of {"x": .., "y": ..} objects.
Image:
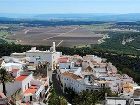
[{"x": 69, "y": 6}]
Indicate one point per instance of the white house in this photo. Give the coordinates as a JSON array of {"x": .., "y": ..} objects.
[
  {"x": 65, "y": 63},
  {"x": 36, "y": 56},
  {"x": 122, "y": 101},
  {"x": 50, "y": 56},
  {"x": 94, "y": 73},
  {"x": 31, "y": 89},
  {"x": 77, "y": 80},
  {"x": 36, "y": 91}
]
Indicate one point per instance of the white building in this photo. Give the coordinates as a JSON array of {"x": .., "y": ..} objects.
[
  {"x": 36, "y": 56},
  {"x": 30, "y": 88},
  {"x": 34, "y": 90},
  {"x": 65, "y": 63},
  {"x": 78, "y": 80},
  {"x": 95, "y": 73},
  {"x": 122, "y": 101}
]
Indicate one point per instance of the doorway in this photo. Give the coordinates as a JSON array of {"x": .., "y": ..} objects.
[{"x": 31, "y": 98}]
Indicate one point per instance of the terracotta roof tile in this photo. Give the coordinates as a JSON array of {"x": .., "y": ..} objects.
[
  {"x": 63, "y": 60},
  {"x": 71, "y": 75},
  {"x": 88, "y": 69},
  {"x": 21, "y": 78},
  {"x": 32, "y": 89}
]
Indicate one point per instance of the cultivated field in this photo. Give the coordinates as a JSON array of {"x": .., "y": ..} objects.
[{"x": 68, "y": 36}]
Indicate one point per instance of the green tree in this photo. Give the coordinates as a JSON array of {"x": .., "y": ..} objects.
[
  {"x": 86, "y": 98},
  {"x": 57, "y": 100},
  {"x": 54, "y": 99},
  {"x": 92, "y": 97},
  {"x": 101, "y": 93},
  {"x": 62, "y": 100}
]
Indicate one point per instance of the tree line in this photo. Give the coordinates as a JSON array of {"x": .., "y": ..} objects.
[{"x": 56, "y": 22}]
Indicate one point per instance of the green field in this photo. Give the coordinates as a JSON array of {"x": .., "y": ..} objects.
[
  {"x": 3, "y": 34},
  {"x": 98, "y": 27},
  {"x": 116, "y": 35}
]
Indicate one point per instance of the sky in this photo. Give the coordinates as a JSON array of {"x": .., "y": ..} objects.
[{"x": 69, "y": 6}]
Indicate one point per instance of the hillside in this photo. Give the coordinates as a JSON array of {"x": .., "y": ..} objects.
[{"x": 79, "y": 17}]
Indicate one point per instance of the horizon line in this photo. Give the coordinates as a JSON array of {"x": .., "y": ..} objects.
[{"x": 69, "y": 13}]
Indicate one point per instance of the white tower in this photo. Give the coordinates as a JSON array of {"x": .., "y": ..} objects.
[{"x": 54, "y": 50}]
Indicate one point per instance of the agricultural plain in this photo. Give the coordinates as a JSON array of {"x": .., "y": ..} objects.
[{"x": 66, "y": 36}]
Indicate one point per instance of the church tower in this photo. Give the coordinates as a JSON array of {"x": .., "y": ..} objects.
[{"x": 54, "y": 50}]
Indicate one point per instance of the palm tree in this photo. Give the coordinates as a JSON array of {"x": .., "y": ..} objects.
[
  {"x": 62, "y": 100},
  {"x": 5, "y": 77},
  {"x": 57, "y": 100},
  {"x": 86, "y": 98},
  {"x": 54, "y": 99},
  {"x": 103, "y": 91}
]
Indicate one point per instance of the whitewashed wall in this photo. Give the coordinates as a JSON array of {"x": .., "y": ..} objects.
[{"x": 25, "y": 82}]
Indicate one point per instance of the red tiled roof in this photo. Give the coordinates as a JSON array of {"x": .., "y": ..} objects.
[
  {"x": 63, "y": 60},
  {"x": 31, "y": 90},
  {"x": 21, "y": 78}
]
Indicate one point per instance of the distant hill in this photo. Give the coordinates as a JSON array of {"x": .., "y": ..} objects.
[
  {"x": 92, "y": 17},
  {"x": 5, "y": 19},
  {"x": 68, "y": 16},
  {"x": 81, "y": 17}
]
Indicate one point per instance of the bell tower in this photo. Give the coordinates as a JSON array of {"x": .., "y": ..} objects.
[{"x": 54, "y": 50}]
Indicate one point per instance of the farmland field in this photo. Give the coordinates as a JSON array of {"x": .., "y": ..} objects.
[
  {"x": 66, "y": 36},
  {"x": 116, "y": 37}
]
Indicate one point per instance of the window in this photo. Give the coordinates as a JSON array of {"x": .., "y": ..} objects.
[
  {"x": 96, "y": 90},
  {"x": 28, "y": 85},
  {"x": 86, "y": 89},
  {"x": 89, "y": 78}
]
